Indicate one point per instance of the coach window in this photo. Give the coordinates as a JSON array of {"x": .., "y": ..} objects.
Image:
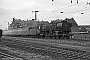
[
  {"x": 81, "y": 37},
  {"x": 85, "y": 37},
  {"x": 77, "y": 37},
  {"x": 73, "y": 36}
]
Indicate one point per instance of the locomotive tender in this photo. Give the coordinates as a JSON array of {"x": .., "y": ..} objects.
[{"x": 55, "y": 29}]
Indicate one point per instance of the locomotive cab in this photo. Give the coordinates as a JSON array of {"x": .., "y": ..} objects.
[{"x": 34, "y": 31}]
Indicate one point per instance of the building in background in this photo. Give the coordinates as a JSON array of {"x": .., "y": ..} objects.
[{"x": 18, "y": 23}]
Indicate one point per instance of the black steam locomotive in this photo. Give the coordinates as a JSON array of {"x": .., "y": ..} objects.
[{"x": 57, "y": 30}]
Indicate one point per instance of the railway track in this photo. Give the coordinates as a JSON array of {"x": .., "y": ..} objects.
[
  {"x": 4, "y": 56},
  {"x": 46, "y": 49},
  {"x": 65, "y": 41},
  {"x": 69, "y": 43}
]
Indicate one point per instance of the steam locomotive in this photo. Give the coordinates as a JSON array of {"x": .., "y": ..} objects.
[{"x": 54, "y": 29}]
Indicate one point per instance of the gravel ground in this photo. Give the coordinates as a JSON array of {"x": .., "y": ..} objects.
[{"x": 25, "y": 55}]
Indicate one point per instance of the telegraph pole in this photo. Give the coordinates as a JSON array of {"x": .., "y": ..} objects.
[
  {"x": 35, "y": 14},
  {"x": 35, "y": 19}
]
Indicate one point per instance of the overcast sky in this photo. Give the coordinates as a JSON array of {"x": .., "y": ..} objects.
[{"x": 23, "y": 9}]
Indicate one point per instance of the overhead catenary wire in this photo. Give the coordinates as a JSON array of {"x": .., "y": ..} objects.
[
  {"x": 48, "y": 12},
  {"x": 66, "y": 7},
  {"x": 70, "y": 13},
  {"x": 56, "y": 9},
  {"x": 86, "y": 14},
  {"x": 79, "y": 17},
  {"x": 61, "y": 8},
  {"x": 85, "y": 7},
  {"x": 70, "y": 6}
]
